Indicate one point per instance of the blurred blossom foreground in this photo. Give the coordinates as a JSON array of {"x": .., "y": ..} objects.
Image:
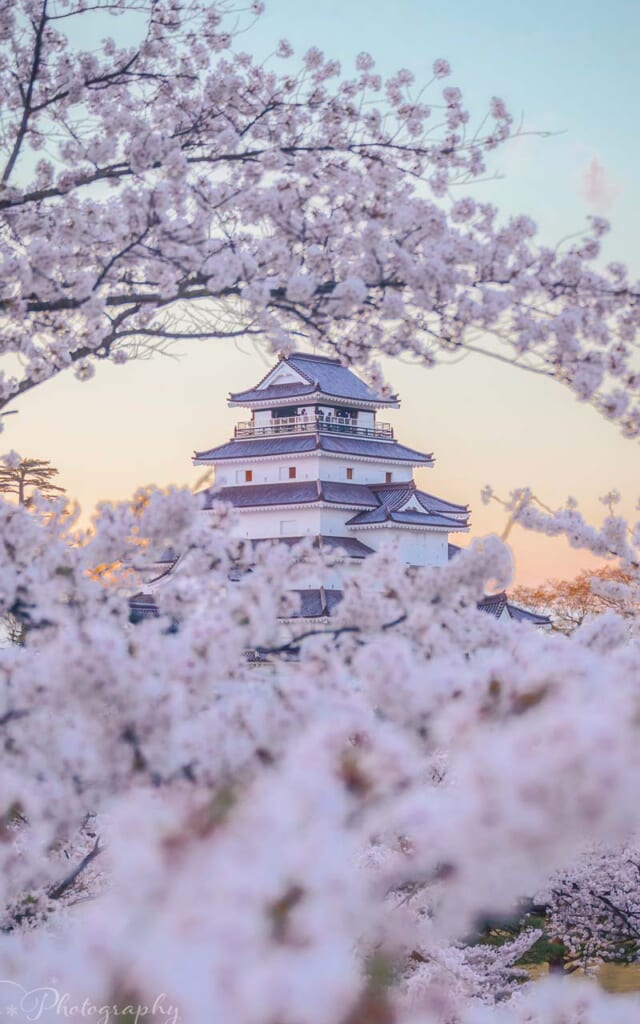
[{"x": 311, "y": 787}]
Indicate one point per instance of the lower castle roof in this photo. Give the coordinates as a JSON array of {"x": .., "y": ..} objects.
[
  {"x": 351, "y": 546},
  {"x": 495, "y": 604},
  {"x": 296, "y": 492},
  {"x": 316, "y": 604},
  {"x": 378, "y": 503},
  {"x": 410, "y": 518},
  {"x": 319, "y": 603}
]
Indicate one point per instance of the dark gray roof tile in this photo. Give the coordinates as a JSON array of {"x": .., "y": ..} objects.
[
  {"x": 383, "y": 514},
  {"x": 395, "y": 495},
  {"x": 317, "y": 604},
  {"x": 348, "y": 494},
  {"x": 142, "y": 606},
  {"x": 374, "y": 449},
  {"x": 412, "y": 516},
  {"x": 524, "y": 615},
  {"x": 493, "y": 604},
  {"x": 334, "y": 378},
  {"x": 295, "y": 492},
  {"x": 349, "y": 545},
  {"x": 381, "y": 503},
  {"x": 348, "y": 445},
  {"x": 377, "y": 515},
  {"x": 255, "y": 495},
  {"x": 258, "y": 448},
  {"x": 275, "y": 391},
  {"x": 434, "y": 504},
  {"x": 327, "y": 376}
]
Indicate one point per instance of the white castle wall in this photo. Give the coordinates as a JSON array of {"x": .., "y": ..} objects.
[
  {"x": 415, "y": 547},
  {"x": 294, "y": 522},
  {"x": 363, "y": 472},
  {"x": 329, "y": 577},
  {"x": 309, "y": 467}
]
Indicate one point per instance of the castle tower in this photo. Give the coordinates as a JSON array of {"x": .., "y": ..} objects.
[{"x": 314, "y": 461}]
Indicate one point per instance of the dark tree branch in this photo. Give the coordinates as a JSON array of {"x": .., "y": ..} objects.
[
  {"x": 293, "y": 646},
  {"x": 12, "y": 716},
  {"x": 59, "y": 889},
  {"x": 27, "y": 109}
]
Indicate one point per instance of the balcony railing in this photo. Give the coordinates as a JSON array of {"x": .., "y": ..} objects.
[{"x": 312, "y": 424}]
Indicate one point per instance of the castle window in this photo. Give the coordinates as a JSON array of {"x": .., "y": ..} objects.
[
  {"x": 292, "y": 472},
  {"x": 349, "y": 473},
  {"x": 248, "y": 475},
  {"x": 388, "y": 477}
]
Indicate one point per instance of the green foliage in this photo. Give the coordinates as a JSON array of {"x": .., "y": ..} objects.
[{"x": 547, "y": 949}]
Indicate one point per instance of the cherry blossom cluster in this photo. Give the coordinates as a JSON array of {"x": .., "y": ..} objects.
[
  {"x": 308, "y": 837},
  {"x": 615, "y": 539},
  {"x": 595, "y": 905},
  {"x": 260, "y": 819},
  {"x": 163, "y": 185}
]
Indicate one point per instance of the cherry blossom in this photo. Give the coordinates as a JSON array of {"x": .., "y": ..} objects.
[
  {"x": 202, "y": 813},
  {"x": 164, "y": 170}
]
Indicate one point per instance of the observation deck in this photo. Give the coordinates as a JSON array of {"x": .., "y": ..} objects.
[{"x": 313, "y": 425}]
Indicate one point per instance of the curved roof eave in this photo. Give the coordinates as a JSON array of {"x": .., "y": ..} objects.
[
  {"x": 393, "y": 524},
  {"x": 258, "y": 400},
  {"x": 333, "y": 445}
]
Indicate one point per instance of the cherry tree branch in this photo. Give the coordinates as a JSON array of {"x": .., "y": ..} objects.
[
  {"x": 60, "y": 888},
  {"x": 27, "y": 109}
]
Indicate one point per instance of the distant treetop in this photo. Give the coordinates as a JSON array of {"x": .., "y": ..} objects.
[{"x": 23, "y": 477}]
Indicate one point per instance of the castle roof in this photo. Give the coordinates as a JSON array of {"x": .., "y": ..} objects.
[
  {"x": 300, "y": 375},
  {"x": 317, "y": 603},
  {"x": 496, "y": 604},
  {"x": 338, "y": 444},
  {"x": 142, "y": 606},
  {"x": 378, "y": 504},
  {"x": 296, "y": 492},
  {"x": 404, "y": 504},
  {"x": 524, "y": 615},
  {"x": 410, "y": 518},
  {"x": 351, "y": 546},
  {"x": 394, "y": 496}
]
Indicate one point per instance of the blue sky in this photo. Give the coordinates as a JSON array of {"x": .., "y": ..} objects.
[{"x": 566, "y": 66}]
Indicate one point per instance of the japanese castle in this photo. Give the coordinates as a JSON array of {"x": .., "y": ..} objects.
[{"x": 314, "y": 462}]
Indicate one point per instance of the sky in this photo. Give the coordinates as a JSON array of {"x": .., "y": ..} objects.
[{"x": 568, "y": 68}]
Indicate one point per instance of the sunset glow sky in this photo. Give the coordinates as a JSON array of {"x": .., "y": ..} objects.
[{"x": 570, "y": 68}]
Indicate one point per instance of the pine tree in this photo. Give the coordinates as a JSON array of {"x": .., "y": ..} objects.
[{"x": 19, "y": 477}]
